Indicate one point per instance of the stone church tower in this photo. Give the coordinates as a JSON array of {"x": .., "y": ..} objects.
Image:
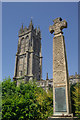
[{"x": 28, "y": 64}]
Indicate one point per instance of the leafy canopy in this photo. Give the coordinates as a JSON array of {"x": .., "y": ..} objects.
[
  {"x": 25, "y": 102},
  {"x": 76, "y": 98}
]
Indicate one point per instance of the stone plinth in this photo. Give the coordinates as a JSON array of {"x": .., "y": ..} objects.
[{"x": 63, "y": 118}]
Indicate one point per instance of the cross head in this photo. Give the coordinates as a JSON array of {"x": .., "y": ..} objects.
[{"x": 58, "y": 26}]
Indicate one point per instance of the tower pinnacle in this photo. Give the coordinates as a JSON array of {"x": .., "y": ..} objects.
[{"x": 31, "y": 25}]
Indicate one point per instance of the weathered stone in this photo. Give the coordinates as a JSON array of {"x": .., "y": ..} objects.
[
  {"x": 61, "y": 93},
  {"x": 65, "y": 118},
  {"x": 28, "y": 63},
  {"x": 58, "y": 26}
]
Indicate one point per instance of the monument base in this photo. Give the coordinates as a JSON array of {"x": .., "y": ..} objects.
[{"x": 63, "y": 118}]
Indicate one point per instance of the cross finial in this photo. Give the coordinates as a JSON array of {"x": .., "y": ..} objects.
[
  {"x": 31, "y": 19},
  {"x": 57, "y": 26}
]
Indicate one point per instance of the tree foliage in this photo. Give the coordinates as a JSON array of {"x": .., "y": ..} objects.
[
  {"x": 72, "y": 100},
  {"x": 76, "y": 99},
  {"x": 25, "y": 102}
]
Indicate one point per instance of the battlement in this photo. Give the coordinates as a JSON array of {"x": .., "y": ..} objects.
[{"x": 30, "y": 28}]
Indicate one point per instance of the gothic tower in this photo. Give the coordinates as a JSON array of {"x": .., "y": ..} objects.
[{"x": 28, "y": 64}]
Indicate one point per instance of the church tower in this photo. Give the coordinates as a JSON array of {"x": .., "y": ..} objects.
[{"x": 28, "y": 64}]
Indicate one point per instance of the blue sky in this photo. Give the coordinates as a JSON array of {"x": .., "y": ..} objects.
[{"x": 16, "y": 13}]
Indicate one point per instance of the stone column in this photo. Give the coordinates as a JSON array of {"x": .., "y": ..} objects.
[
  {"x": 27, "y": 63},
  {"x": 40, "y": 63},
  {"x": 16, "y": 59},
  {"x": 15, "y": 71},
  {"x": 31, "y": 63},
  {"x": 61, "y": 93},
  {"x": 31, "y": 67}
]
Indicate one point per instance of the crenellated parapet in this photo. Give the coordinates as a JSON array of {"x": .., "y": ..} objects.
[{"x": 28, "y": 29}]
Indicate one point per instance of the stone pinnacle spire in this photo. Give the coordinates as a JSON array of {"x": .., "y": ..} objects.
[
  {"x": 31, "y": 25},
  {"x": 21, "y": 29},
  {"x": 31, "y": 22},
  {"x": 38, "y": 29},
  {"x": 22, "y": 26}
]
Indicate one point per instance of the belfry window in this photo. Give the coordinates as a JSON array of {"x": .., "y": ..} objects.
[
  {"x": 22, "y": 41},
  {"x": 27, "y": 37},
  {"x": 22, "y": 45}
]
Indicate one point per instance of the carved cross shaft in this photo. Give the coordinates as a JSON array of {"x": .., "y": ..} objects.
[{"x": 58, "y": 26}]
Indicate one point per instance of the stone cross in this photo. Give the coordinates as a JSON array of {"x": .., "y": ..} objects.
[
  {"x": 58, "y": 26},
  {"x": 61, "y": 88}
]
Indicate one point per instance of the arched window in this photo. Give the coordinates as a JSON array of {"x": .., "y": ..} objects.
[
  {"x": 26, "y": 42},
  {"x": 27, "y": 37},
  {"x": 22, "y": 41},
  {"x": 22, "y": 45}
]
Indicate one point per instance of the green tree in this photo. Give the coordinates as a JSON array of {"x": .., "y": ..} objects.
[
  {"x": 25, "y": 102},
  {"x": 72, "y": 100},
  {"x": 76, "y": 99}
]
